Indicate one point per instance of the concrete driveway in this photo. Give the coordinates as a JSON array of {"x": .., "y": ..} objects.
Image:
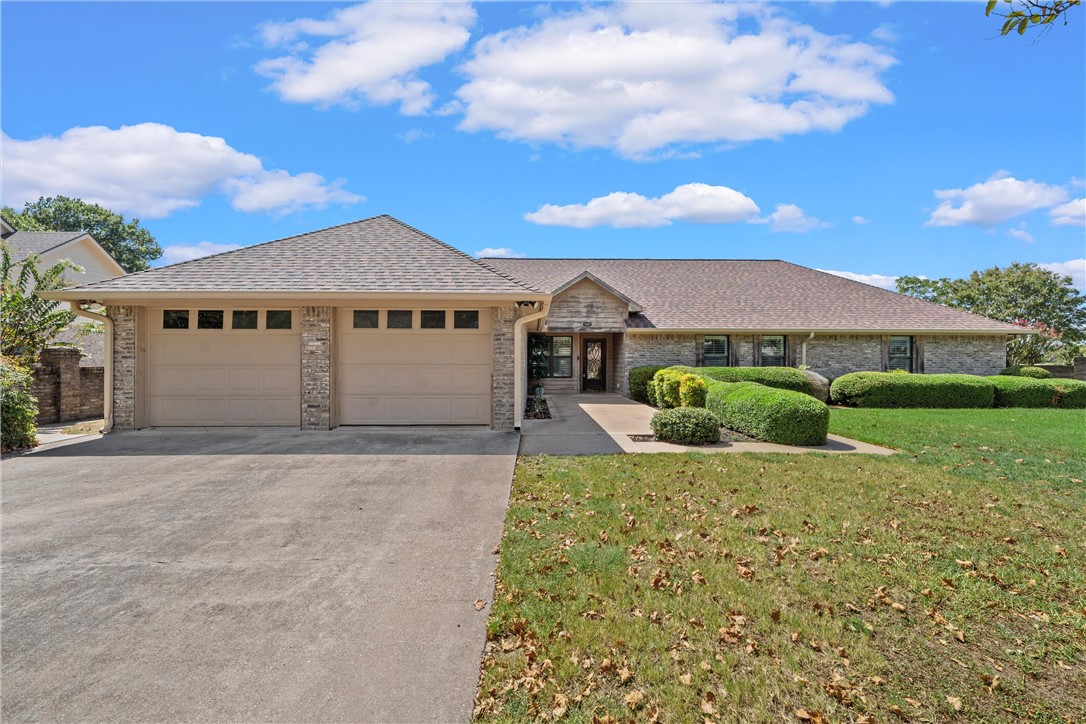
[{"x": 246, "y": 575}]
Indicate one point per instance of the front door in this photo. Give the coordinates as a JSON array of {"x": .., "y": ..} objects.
[{"x": 594, "y": 365}]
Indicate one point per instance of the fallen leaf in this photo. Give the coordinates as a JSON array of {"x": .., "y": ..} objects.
[
  {"x": 955, "y": 702},
  {"x": 707, "y": 706},
  {"x": 561, "y": 703},
  {"x": 624, "y": 674},
  {"x": 634, "y": 699},
  {"x": 686, "y": 679},
  {"x": 480, "y": 604}
]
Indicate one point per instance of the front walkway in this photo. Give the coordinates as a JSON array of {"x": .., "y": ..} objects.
[{"x": 601, "y": 424}]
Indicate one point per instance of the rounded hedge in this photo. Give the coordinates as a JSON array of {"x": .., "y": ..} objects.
[
  {"x": 666, "y": 382},
  {"x": 885, "y": 389},
  {"x": 640, "y": 377},
  {"x": 691, "y": 391},
  {"x": 1025, "y": 392},
  {"x": 686, "y": 426},
  {"x": 18, "y": 408},
  {"x": 781, "y": 378},
  {"x": 765, "y": 413},
  {"x": 1037, "y": 373}
]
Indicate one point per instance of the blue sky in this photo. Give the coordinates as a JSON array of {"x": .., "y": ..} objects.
[{"x": 874, "y": 139}]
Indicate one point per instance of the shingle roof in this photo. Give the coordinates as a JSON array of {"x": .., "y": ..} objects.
[
  {"x": 726, "y": 294},
  {"x": 380, "y": 254},
  {"x": 24, "y": 243}
]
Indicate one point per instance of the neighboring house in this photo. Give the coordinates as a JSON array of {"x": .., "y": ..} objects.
[
  {"x": 374, "y": 322},
  {"x": 78, "y": 247}
]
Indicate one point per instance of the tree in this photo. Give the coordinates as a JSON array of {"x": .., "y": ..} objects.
[
  {"x": 1022, "y": 294},
  {"x": 129, "y": 243},
  {"x": 30, "y": 322},
  {"x": 1024, "y": 14}
]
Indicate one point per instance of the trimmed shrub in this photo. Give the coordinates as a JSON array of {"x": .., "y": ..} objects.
[
  {"x": 686, "y": 426},
  {"x": 666, "y": 382},
  {"x": 640, "y": 377},
  {"x": 772, "y": 415},
  {"x": 18, "y": 408},
  {"x": 782, "y": 378},
  {"x": 1037, "y": 373},
  {"x": 691, "y": 391},
  {"x": 650, "y": 393},
  {"x": 885, "y": 389},
  {"x": 1025, "y": 392}
]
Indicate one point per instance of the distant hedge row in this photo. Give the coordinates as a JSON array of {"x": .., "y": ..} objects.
[{"x": 890, "y": 389}]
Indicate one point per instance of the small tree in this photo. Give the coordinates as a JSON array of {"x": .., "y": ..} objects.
[
  {"x": 1042, "y": 343},
  {"x": 30, "y": 322}
]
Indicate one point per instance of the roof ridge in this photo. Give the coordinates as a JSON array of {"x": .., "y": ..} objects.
[{"x": 617, "y": 258}]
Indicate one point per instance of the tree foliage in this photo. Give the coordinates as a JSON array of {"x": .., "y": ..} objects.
[
  {"x": 30, "y": 322},
  {"x": 129, "y": 243},
  {"x": 1022, "y": 294},
  {"x": 1022, "y": 15}
]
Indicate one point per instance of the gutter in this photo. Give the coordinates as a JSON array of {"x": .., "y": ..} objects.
[
  {"x": 519, "y": 348},
  {"x": 107, "y": 363}
]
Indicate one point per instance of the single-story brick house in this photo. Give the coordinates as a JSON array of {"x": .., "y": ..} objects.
[{"x": 375, "y": 322}]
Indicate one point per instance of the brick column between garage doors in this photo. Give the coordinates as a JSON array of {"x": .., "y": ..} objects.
[
  {"x": 503, "y": 372},
  {"x": 316, "y": 368}
]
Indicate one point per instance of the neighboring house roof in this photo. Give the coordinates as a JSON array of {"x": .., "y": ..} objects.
[
  {"x": 738, "y": 295},
  {"x": 376, "y": 255},
  {"x": 24, "y": 243}
]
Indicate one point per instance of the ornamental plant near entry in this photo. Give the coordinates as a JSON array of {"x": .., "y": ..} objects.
[
  {"x": 641, "y": 380},
  {"x": 691, "y": 391},
  {"x": 686, "y": 426}
]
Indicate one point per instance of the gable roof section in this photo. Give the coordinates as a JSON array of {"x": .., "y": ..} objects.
[
  {"x": 589, "y": 276},
  {"x": 24, "y": 243},
  {"x": 751, "y": 295},
  {"x": 376, "y": 255}
]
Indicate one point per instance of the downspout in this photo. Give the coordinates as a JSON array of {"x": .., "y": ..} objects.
[
  {"x": 107, "y": 363},
  {"x": 519, "y": 381},
  {"x": 803, "y": 349}
]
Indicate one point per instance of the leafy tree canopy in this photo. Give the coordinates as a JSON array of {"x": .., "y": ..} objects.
[
  {"x": 30, "y": 322},
  {"x": 1021, "y": 15},
  {"x": 129, "y": 243}
]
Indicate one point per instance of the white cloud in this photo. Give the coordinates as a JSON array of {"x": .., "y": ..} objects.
[
  {"x": 994, "y": 201},
  {"x": 414, "y": 134},
  {"x": 860, "y": 220},
  {"x": 884, "y": 33},
  {"x": 641, "y": 77},
  {"x": 372, "y": 53},
  {"x": 695, "y": 203},
  {"x": 500, "y": 252},
  {"x": 1073, "y": 213},
  {"x": 875, "y": 280},
  {"x": 175, "y": 253},
  {"x": 1021, "y": 233},
  {"x": 789, "y": 217},
  {"x": 153, "y": 170},
  {"x": 1074, "y": 268}
]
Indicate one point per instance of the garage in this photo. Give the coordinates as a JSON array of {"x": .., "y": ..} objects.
[
  {"x": 413, "y": 366},
  {"x": 210, "y": 367}
]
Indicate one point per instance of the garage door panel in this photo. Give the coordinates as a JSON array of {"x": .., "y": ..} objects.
[
  {"x": 470, "y": 350},
  {"x": 171, "y": 349},
  {"x": 469, "y": 379},
  {"x": 359, "y": 379},
  {"x": 434, "y": 379},
  {"x": 399, "y": 350},
  {"x": 209, "y": 380},
  {"x": 208, "y": 349},
  {"x": 465, "y": 410},
  {"x": 398, "y": 379},
  {"x": 208, "y": 410}
]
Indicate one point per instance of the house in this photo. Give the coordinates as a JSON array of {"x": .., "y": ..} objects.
[{"x": 375, "y": 322}]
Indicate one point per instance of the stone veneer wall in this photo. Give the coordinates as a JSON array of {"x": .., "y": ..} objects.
[
  {"x": 316, "y": 368},
  {"x": 124, "y": 366},
  {"x": 66, "y": 391},
  {"x": 968, "y": 354},
  {"x": 503, "y": 369}
]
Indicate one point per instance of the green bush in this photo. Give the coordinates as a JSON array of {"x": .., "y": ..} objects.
[
  {"x": 772, "y": 415},
  {"x": 640, "y": 379},
  {"x": 1037, "y": 373},
  {"x": 782, "y": 378},
  {"x": 1025, "y": 392},
  {"x": 650, "y": 393},
  {"x": 691, "y": 391},
  {"x": 686, "y": 426},
  {"x": 666, "y": 382},
  {"x": 884, "y": 389},
  {"x": 18, "y": 408}
]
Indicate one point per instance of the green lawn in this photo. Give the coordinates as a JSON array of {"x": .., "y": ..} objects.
[{"x": 926, "y": 586}]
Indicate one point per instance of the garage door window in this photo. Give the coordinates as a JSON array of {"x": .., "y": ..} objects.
[
  {"x": 243, "y": 319},
  {"x": 175, "y": 319},
  {"x": 209, "y": 319},
  {"x": 433, "y": 319},
  {"x": 278, "y": 319},
  {"x": 400, "y": 318},
  {"x": 466, "y": 319},
  {"x": 365, "y": 319}
]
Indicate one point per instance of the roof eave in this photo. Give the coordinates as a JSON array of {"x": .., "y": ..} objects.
[
  {"x": 139, "y": 298},
  {"x": 808, "y": 330}
]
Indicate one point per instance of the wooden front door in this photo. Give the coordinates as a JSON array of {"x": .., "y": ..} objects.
[{"x": 594, "y": 365}]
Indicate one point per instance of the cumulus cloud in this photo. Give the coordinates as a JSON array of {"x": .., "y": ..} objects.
[
  {"x": 994, "y": 201},
  {"x": 860, "y": 220},
  {"x": 153, "y": 170},
  {"x": 875, "y": 280},
  {"x": 1074, "y": 268},
  {"x": 175, "y": 253},
  {"x": 499, "y": 252},
  {"x": 641, "y": 77},
  {"x": 791, "y": 218},
  {"x": 369, "y": 52},
  {"x": 1021, "y": 233},
  {"x": 695, "y": 203},
  {"x": 1073, "y": 213}
]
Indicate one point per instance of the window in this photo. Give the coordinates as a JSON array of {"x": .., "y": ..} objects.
[
  {"x": 433, "y": 319},
  {"x": 175, "y": 319},
  {"x": 209, "y": 319},
  {"x": 900, "y": 353},
  {"x": 716, "y": 351},
  {"x": 550, "y": 356},
  {"x": 365, "y": 319},
  {"x": 466, "y": 319},
  {"x": 773, "y": 351},
  {"x": 277, "y": 319},
  {"x": 243, "y": 319},
  {"x": 399, "y": 319}
]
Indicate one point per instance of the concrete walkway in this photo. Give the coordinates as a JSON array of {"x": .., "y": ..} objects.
[{"x": 601, "y": 424}]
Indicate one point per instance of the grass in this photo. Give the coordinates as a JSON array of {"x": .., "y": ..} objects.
[
  {"x": 928, "y": 586},
  {"x": 89, "y": 427}
]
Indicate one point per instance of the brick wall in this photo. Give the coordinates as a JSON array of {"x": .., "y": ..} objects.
[
  {"x": 966, "y": 354},
  {"x": 656, "y": 349},
  {"x": 503, "y": 369},
  {"x": 316, "y": 368},
  {"x": 66, "y": 391},
  {"x": 834, "y": 355},
  {"x": 124, "y": 366}
]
